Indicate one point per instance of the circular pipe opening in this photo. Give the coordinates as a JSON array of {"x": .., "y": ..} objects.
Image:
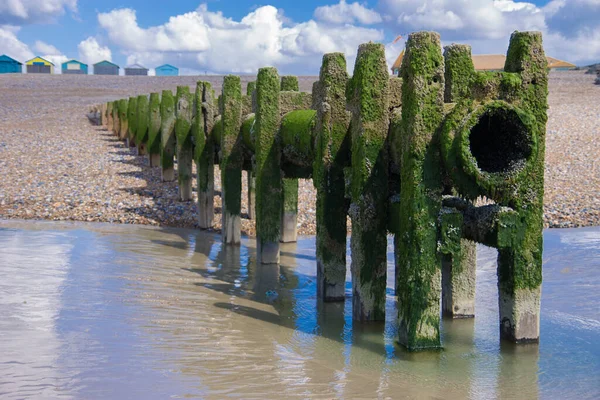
[{"x": 500, "y": 142}]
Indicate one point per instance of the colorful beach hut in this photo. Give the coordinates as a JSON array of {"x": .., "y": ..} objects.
[
  {"x": 39, "y": 65},
  {"x": 106, "y": 68},
  {"x": 136, "y": 69},
  {"x": 74, "y": 67},
  {"x": 166, "y": 70},
  {"x": 10, "y": 65}
]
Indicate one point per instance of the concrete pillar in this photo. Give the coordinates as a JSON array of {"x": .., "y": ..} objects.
[
  {"x": 331, "y": 155},
  {"x": 268, "y": 166},
  {"x": 231, "y": 159},
  {"x": 204, "y": 153},
  {"x": 167, "y": 135},
  {"x": 418, "y": 261},
  {"x": 183, "y": 138},
  {"x": 289, "y": 210},
  {"x": 143, "y": 120},
  {"x": 154, "y": 130},
  {"x": 368, "y": 101}
]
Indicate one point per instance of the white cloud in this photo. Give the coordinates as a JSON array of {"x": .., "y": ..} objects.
[
  {"x": 344, "y": 13},
  {"x": 43, "y": 47},
  {"x": 91, "y": 52},
  {"x": 12, "y": 46},
  {"x": 19, "y": 12},
  {"x": 207, "y": 41},
  {"x": 571, "y": 28}
]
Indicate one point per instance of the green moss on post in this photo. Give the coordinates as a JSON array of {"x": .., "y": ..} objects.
[
  {"x": 268, "y": 166},
  {"x": 115, "y": 118},
  {"x": 141, "y": 134},
  {"x": 167, "y": 135},
  {"x": 289, "y": 210},
  {"x": 132, "y": 117},
  {"x": 418, "y": 261},
  {"x": 154, "y": 130},
  {"x": 185, "y": 149},
  {"x": 331, "y": 153},
  {"x": 250, "y": 88},
  {"x": 123, "y": 104},
  {"x": 289, "y": 83},
  {"x": 231, "y": 159},
  {"x": 109, "y": 116},
  {"x": 204, "y": 152},
  {"x": 369, "y": 103},
  {"x": 520, "y": 266},
  {"x": 460, "y": 264},
  {"x": 459, "y": 72}
]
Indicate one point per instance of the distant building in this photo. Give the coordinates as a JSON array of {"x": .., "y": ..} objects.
[
  {"x": 106, "y": 68},
  {"x": 493, "y": 62},
  {"x": 74, "y": 67},
  {"x": 38, "y": 65},
  {"x": 167, "y": 70},
  {"x": 10, "y": 65},
  {"x": 136, "y": 69}
]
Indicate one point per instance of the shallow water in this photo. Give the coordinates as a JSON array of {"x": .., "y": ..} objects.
[{"x": 115, "y": 311}]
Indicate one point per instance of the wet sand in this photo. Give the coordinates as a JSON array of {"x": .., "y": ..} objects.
[
  {"x": 57, "y": 166},
  {"x": 97, "y": 311}
]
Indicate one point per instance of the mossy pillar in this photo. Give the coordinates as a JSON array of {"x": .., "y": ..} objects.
[
  {"x": 459, "y": 265},
  {"x": 251, "y": 176},
  {"x": 231, "y": 159},
  {"x": 204, "y": 153},
  {"x": 520, "y": 266},
  {"x": 154, "y": 130},
  {"x": 369, "y": 103},
  {"x": 109, "y": 116},
  {"x": 116, "y": 123},
  {"x": 167, "y": 136},
  {"x": 418, "y": 261},
  {"x": 289, "y": 210},
  {"x": 123, "y": 126},
  {"x": 331, "y": 153},
  {"x": 268, "y": 166},
  {"x": 132, "y": 116},
  {"x": 141, "y": 134},
  {"x": 183, "y": 138}
]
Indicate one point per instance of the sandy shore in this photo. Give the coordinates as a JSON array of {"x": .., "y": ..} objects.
[{"x": 55, "y": 165}]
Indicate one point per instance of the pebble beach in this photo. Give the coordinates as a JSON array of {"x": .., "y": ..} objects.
[{"x": 55, "y": 165}]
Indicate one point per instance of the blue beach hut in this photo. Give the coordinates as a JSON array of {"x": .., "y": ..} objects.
[
  {"x": 10, "y": 65},
  {"x": 74, "y": 67},
  {"x": 167, "y": 70}
]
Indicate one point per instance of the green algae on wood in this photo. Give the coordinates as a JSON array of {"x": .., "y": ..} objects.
[
  {"x": 154, "y": 130},
  {"x": 204, "y": 152},
  {"x": 132, "y": 125},
  {"x": 369, "y": 103},
  {"x": 418, "y": 262},
  {"x": 167, "y": 135},
  {"x": 330, "y": 157},
  {"x": 289, "y": 83},
  {"x": 520, "y": 266},
  {"x": 231, "y": 159},
  {"x": 185, "y": 150},
  {"x": 297, "y": 136},
  {"x": 268, "y": 166},
  {"x": 141, "y": 134},
  {"x": 123, "y": 108},
  {"x": 459, "y": 71}
]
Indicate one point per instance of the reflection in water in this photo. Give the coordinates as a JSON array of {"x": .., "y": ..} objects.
[{"x": 102, "y": 311}]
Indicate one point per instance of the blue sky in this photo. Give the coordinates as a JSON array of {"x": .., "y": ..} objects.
[{"x": 240, "y": 36}]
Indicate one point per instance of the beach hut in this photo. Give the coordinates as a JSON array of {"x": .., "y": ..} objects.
[
  {"x": 106, "y": 68},
  {"x": 39, "y": 65},
  {"x": 397, "y": 64},
  {"x": 167, "y": 70},
  {"x": 74, "y": 67},
  {"x": 10, "y": 65},
  {"x": 136, "y": 69}
]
